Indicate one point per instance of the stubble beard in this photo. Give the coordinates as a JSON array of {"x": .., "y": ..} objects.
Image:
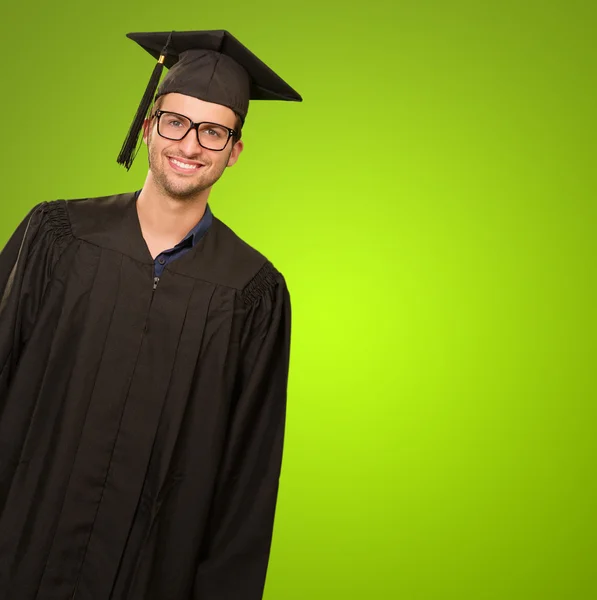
[{"x": 178, "y": 188}]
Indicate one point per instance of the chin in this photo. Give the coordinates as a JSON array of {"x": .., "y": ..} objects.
[
  {"x": 176, "y": 187},
  {"x": 184, "y": 192},
  {"x": 182, "y": 188}
]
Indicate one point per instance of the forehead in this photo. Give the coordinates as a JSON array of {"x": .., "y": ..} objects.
[{"x": 198, "y": 110}]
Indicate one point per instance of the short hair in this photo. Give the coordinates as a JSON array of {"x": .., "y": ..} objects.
[{"x": 238, "y": 129}]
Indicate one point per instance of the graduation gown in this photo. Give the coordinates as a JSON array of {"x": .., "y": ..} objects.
[{"x": 141, "y": 429}]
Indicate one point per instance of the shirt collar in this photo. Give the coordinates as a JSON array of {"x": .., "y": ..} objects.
[{"x": 198, "y": 231}]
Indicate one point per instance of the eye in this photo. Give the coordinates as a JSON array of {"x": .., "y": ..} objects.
[
  {"x": 173, "y": 122},
  {"x": 213, "y": 131}
]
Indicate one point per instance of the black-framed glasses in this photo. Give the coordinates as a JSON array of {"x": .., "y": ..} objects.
[{"x": 211, "y": 136}]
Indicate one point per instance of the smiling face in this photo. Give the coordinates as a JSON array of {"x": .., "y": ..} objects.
[{"x": 184, "y": 169}]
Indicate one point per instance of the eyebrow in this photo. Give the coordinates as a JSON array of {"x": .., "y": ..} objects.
[{"x": 189, "y": 118}]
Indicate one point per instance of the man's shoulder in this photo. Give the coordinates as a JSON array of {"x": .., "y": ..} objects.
[
  {"x": 224, "y": 257},
  {"x": 231, "y": 260},
  {"x": 115, "y": 204},
  {"x": 237, "y": 246},
  {"x": 103, "y": 220}
]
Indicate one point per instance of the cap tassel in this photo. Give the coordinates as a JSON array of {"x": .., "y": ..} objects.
[{"x": 127, "y": 152}]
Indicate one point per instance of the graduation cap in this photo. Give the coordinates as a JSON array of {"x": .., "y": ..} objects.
[{"x": 209, "y": 65}]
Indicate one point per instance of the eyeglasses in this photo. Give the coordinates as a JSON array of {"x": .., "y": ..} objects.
[{"x": 210, "y": 136}]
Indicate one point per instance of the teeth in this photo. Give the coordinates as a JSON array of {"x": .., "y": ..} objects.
[{"x": 183, "y": 165}]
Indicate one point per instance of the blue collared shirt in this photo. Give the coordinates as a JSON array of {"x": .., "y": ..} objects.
[{"x": 190, "y": 240}]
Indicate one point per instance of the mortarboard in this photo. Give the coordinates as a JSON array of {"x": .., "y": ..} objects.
[{"x": 209, "y": 65}]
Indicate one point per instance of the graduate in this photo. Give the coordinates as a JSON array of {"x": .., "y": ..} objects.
[{"x": 144, "y": 353}]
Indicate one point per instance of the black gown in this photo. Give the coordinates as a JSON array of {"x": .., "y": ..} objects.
[{"x": 141, "y": 430}]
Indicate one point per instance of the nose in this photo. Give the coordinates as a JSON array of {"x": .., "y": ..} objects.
[{"x": 189, "y": 144}]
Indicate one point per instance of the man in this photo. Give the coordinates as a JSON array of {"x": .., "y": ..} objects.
[{"x": 144, "y": 353}]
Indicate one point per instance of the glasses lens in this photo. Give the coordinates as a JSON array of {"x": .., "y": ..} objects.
[
  {"x": 212, "y": 136},
  {"x": 173, "y": 126}
]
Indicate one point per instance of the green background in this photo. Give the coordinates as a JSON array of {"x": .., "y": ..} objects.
[{"x": 432, "y": 206}]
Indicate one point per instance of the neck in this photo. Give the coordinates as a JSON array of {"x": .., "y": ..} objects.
[{"x": 166, "y": 220}]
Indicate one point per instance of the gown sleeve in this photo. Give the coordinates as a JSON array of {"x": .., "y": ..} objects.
[
  {"x": 25, "y": 267},
  {"x": 241, "y": 524}
]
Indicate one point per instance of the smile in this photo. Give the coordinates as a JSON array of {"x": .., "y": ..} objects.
[{"x": 183, "y": 166}]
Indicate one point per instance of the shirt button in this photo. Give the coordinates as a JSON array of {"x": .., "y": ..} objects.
[{"x": 161, "y": 260}]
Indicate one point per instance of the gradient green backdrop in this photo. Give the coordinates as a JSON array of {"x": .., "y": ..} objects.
[{"x": 432, "y": 206}]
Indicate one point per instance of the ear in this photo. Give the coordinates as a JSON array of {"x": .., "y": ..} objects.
[
  {"x": 146, "y": 130},
  {"x": 236, "y": 150}
]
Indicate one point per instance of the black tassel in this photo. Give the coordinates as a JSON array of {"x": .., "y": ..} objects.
[{"x": 127, "y": 152}]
